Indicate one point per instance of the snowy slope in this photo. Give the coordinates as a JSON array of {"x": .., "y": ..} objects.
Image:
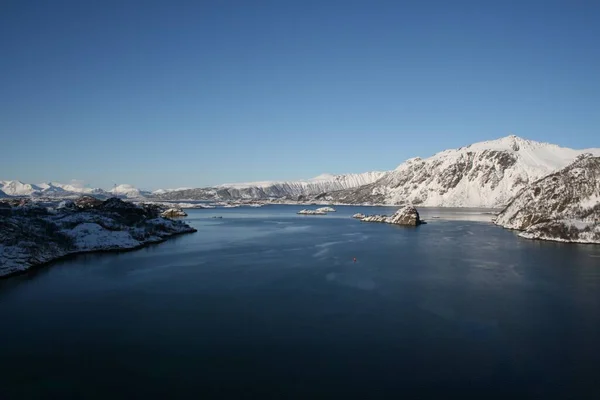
[
  {"x": 18, "y": 188},
  {"x": 562, "y": 206},
  {"x": 163, "y": 191},
  {"x": 51, "y": 189},
  {"x": 127, "y": 191},
  {"x": 485, "y": 174},
  {"x": 264, "y": 190},
  {"x": 31, "y": 235}
]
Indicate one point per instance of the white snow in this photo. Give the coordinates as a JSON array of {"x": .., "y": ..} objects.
[
  {"x": 533, "y": 161},
  {"x": 18, "y": 188},
  {"x": 311, "y": 212},
  {"x": 590, "y": 202},
  {"x": 126, "y": 190},
  {"x": 326, "y": 209},
  {"x": 90, "y": 236},
  {"x": 163, "y": 191},
  {"x": 316, "y": 185}
]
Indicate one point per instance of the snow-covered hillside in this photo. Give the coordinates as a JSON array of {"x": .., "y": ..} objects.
[
  {"x": 562, "y": 206},
  {"x": 288, "y": 189},
  {"x": 163, "y": 191},
  {"x": 127, "y": 191},
  {"x": 49, "y": 189},
  {"x": 486, "y": 174},
  {"x": 18, "y": 188},
  {"x": 32, "y": 234}
]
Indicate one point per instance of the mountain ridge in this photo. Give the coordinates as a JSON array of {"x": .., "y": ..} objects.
[{"x": 482, "y": 174}]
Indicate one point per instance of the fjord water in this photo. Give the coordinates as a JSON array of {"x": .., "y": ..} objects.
[{"x": 264, "y": 302}]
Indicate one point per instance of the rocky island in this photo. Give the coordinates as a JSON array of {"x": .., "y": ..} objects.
[
  {"x": 173, "y": 212},
  {"x": 407, "y": 215},
  {"x": 311, "y": 212},
  {"x": 563, "y": 206},
  {"x": 34, "y": 233}
]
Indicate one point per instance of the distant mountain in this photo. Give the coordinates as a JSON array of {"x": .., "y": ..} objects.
[
  {"x": 62, "y": 190},
  {"x": 163, "y": 191},
  {"x": 485, "y": 174},
  {"x": 18, "y": 188},
  {"x": 563, "y": 206},
  {"x": 266, "y": 190},
  {"x": 128, "y": 191},
  {"x": 2, "y": 194}
]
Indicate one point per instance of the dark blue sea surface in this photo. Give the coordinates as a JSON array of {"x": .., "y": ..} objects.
[{"x": 264, "y": 303}]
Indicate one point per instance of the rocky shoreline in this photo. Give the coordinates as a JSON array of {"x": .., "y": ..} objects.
[
  {"x": 562, "y": 207},
  {"x": 407, "y": 216},
  {"x": 33, "y": 235}
]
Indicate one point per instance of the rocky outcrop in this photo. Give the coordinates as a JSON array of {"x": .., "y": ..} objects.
[
  {"x": 88, "y": 202},
  {"x": 407, "y": 215},
  {"x": 359, "y": 216},
  {"x": 173, "y": 212},
  {"x": 32, "y": 234},
  {"x": 563, "y": 206}
]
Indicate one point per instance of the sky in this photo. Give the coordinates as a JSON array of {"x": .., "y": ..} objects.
[{"x": 166, "y": 94}]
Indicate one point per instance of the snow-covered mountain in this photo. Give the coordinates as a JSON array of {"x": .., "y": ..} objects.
[
  {"x": 287, "y": 189},
  {"x": 2, "y": 194},
  {"x": 128, "y": 191},
  {"x": 485, "y": 174},
  {"x": 18, "y": 188},
  {"x": 163, "y": 191},
  {"x": 564, "y": 205}
]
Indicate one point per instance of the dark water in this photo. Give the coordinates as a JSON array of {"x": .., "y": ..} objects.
[{"x": 264, "y": 303}]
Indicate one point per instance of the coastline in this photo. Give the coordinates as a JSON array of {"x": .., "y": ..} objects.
[{"x": 36, "y": 266}]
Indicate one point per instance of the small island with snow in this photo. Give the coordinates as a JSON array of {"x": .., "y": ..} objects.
[
  {"x": 311, "y": 212},
  {"x": 35, "y": 233},
  {"x": 407, "y": 215}
]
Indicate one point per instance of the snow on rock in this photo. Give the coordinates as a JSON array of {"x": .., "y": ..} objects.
[
  {"x": 163, "y": 191},
  {"x": 486, "y": 174},
  {"x": 311, "y": 212},
  {"x": 268, "y": 190},
  {"x": 173, "y": 212},
  {"x": 407, "y": 215},
  {"x": 359, "y": 216},
  {"x": 326, "y": 209},
  {"x": 31, "y": 234},
  {"x": 563, "y": 206}
]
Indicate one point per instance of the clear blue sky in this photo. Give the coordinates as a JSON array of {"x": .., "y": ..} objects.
[{"x": 194, "y": 93}]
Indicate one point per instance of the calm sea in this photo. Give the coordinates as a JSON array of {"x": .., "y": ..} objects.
[{"x": 264, "y": 303}]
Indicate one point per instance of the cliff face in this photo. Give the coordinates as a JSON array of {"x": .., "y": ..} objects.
[
  {"x": 563, "y": 206},
  {"x": 486, "y": 174}
]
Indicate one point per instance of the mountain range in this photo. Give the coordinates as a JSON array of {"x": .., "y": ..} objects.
[{"x": 484, "y": 174}]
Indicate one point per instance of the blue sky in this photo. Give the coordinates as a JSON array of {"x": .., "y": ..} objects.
[{"x": 195, "y": 93}]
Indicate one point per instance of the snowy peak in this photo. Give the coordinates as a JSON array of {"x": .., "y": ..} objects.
[
  {"x": 128, "y": 191},
  {"x": 18, "y": 188},
  {"x": 484, "y": 174}
]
